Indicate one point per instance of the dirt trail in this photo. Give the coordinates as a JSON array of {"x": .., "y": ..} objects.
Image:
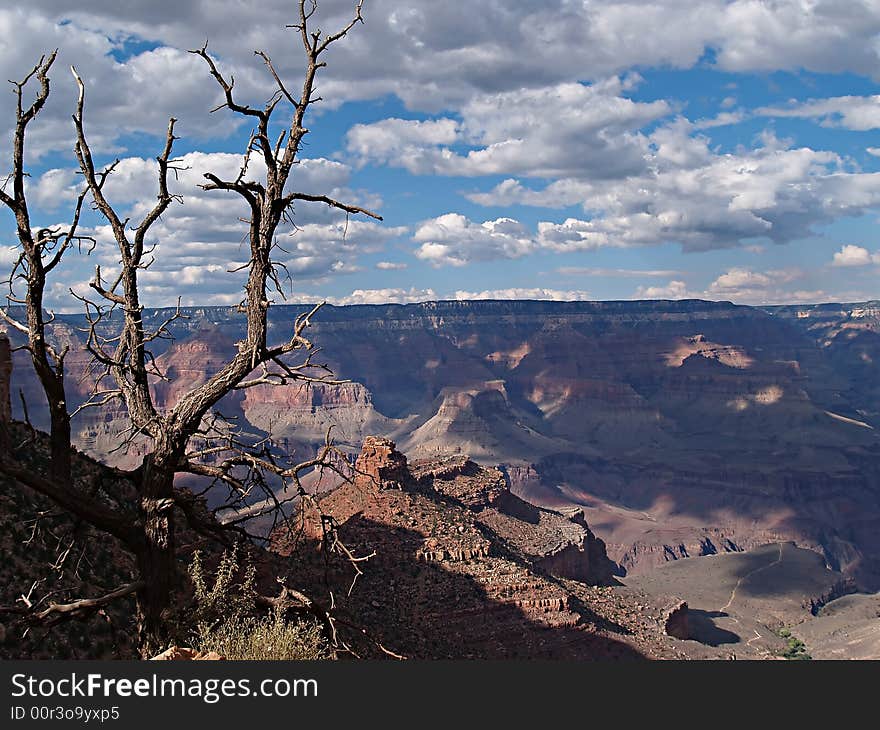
[{"x": 749, "y": 575}]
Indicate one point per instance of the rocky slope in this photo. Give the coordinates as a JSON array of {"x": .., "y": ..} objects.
[
  {"x": 46, "y": 553},
  {"x": 459, "y": 567},
  {"x": 845, "y": 628},
  {"x": 680, "y": 428}
]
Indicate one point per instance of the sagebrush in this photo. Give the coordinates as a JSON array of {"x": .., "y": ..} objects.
[{"x": 225, "y": 618}]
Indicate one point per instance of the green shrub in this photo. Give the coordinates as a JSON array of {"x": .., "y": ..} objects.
[
  {"x": 795, "y": 649},
  {"x": 225, "y": 618},
  {"x": 231, "y": 595},
  {"x": 269, "y": 637}
]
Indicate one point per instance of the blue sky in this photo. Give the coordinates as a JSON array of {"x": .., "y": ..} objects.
[{"x": 726, "y": 149}]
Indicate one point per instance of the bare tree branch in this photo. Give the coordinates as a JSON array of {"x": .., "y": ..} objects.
[
  {"x": 56, "y": 612},
  {"x": 288, "y": 199}
]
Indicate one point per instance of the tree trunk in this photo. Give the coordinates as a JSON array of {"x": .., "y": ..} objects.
[
  {"x": 59, "y": 443},
  {"x": 156, "y": 559}
]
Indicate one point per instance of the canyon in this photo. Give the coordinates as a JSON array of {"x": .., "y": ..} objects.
[
  {"x": 452, "y": 565},
  {"x": 675, "y": 428}
]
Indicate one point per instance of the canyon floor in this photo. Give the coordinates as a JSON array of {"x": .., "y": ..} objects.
[{"x": 742, "y": 602}]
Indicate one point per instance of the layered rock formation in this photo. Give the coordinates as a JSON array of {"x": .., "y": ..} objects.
[
  {"x": 461, "y": 567},
  {"x": 380, "y": 465},
  {"x": 558, "y": 544},
  {"x": 678, "y": 427}
]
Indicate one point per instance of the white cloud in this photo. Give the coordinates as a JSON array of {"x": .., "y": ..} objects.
[
  {"x": 860, "y": 113},
  {"x": 793, "y": 34},
  {"x": 723, "y": 119},
  {"x": 391, "y": 265},
  {"x": 54, "y": 188},
  {"x": 135, "y": 95},
  {"x": 742, "y": 286},
  {"x": 688, "y": 195},
  {"x": 745, "y": 286},
  {"x": 8, "y": 256},
  {"x": 622, "y": 273},
  {"x": 385, "y": 296},
  {"x": 850, "y": 255},
  {"x": 701, "y": 199},
  {"x": 198, "y": 246},
  {"x": 453, "y": 240},
  {"x": 421, "y": 51},
  {"x": 414, "y": 295},
  {"x": 738, "y": 278},
  {"x": 566, "y": 129},
  {"x": 554, "y": 295},
  {"x": 403, "y": 142},
  {"x": 875, "y": 151},
  {"x": 578, "y": 235},
  {"x": 673, "y": 290},
  {"x": 508, "y": 87},
  {"x": 561, "y": 193}
]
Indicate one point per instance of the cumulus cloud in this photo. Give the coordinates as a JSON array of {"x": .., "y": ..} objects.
[
  {"x": 745, "y": 286},
  {"x": 850, "y": 255},
  {"x": 123, "y": 97},
  {"x": 8, "y": 256},
  {"x": 673, "y": 290},
  {"x": 54, "y": 188},
  {"x": 454, "y": 240},
  {"x": 737, "y": 279},
  {"x": 700, "y": 199},
  {"x": 688, "y": 195},
  {"x": 420, "y": 51},
  {"x": 415, "y": 295},
  {"x": 792, "y": 34},
  {"x": 723, "y": 119},
  {"x": 391, "y": 265},
  {"x": 578, "y": 235},
  {"x": 859, "y": 113},
  {"x": 742, "y": 286},
  {"x": 198, "y": 248},
  {"x": 414, "y": 145},
  {"x": 567, "y": 129},
  {"x": 536, "y": 92}
]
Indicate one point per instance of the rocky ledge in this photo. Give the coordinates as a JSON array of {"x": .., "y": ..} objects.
[{"x": 457, "y": 566}]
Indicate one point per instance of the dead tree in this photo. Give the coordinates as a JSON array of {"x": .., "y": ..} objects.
[
  {"x": 182, "y": 437},
  {"x": 41, "y": 252}
]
